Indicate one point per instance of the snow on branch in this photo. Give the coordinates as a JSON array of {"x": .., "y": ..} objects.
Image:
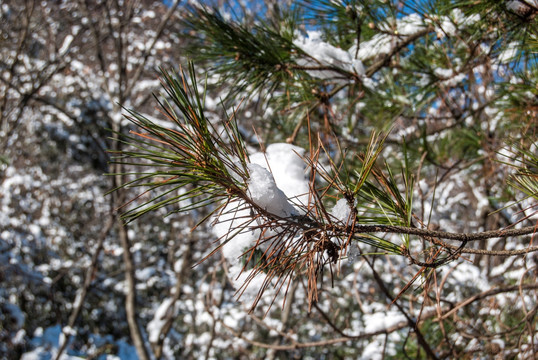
[{"x": 280, "y": 213}]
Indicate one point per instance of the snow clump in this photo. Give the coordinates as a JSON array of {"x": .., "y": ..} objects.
[{"x": 277, "y": 181}]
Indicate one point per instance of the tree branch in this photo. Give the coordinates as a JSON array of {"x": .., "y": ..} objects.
[
  {"x": 501, "y": 233},
  {"x": 81, "y": 294},
  {"x": 130, "y": 296},
  {"x": 376, "y": 66}
]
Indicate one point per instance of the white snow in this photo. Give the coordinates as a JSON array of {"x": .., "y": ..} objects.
[
  {"x": 276, "y": 181},
  {"x": 341, "y": 211},
  {"x": 234, "y": 241},
  {"x": 380, "y": 320},
  {"x": 326, "y": 54},
  {"x": 509, "y": 53},
  {"x": 145, "y": 274},
  {"x": 263, "y": 190},
  {"x": 65, "y": 45},
  {"x": 285, "y": 163},
  {"x": 519, "y": 6},
  {"x": 443, "y": 73},
  {"x": 159, "y": 319},
  {"x": 409, "y": 24},
  {"x": 47, "y": 343}
]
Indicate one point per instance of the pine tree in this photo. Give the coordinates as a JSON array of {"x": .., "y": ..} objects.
[{"x": 396, "y": 135}]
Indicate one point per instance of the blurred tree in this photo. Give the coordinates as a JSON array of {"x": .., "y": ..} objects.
[{"x": 67, "y": 68}]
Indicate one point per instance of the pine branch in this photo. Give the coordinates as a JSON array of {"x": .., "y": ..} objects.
[
  {"x": 213, "y": 164},
  {"x": 463, "y": 237}
]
